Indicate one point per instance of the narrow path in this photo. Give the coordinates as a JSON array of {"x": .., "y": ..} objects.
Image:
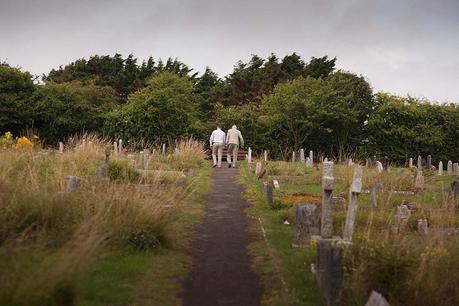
[{"x": 221, "y": 272}]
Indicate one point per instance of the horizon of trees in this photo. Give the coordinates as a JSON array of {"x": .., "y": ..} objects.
[{"x": 280, "y": 104}]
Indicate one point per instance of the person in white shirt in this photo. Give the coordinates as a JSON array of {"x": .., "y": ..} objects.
[
  {"x": 234, "y": 140},
  {"x": 217, "y": 142}
]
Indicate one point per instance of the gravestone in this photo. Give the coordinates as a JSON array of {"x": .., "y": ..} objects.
[
  {"x": 456, "y": 169},
  {"x": 72, "y": 183},
  {"x": 367, "y": 162},
  {"x": 374, "y": 194},
  {"x": 120, "y": 146},
  {"x": 423, "y": 227},
  {"x": 268, "y": 191},
  {"x": 379, "y": 166},
  {"x": 259, "y": 170},
  {"x": 293, "y": 157},
  {"x": 455, "y": 189},
  {"x": 429, "y": 162},
  {"x": 307, "y": 223},
  {"x": 115, "y": 147},
  {"x": 147, "y": 154},
  {"x": 276, "y": 184},
  {"x": 410, "y": 163},
  {"x": 419, "y": 162},
  {"x": 440, "y": 168},
  {"x": 403, "y": 215},
  {"x": 142, "y": 160},
  {"x": 61, "y": 147},
  {"x": 350, "y": 162},
  {"x": 328, "y": 183},
  {"x": 265, "y": 153},
  {"x": 329, "y": 270},
  {"x": 376, "y": 299},
  {"x": 249, "y": 155},
  {"x": 355, "y": 190},
  {"x": 449, "y": 168},
  {"x": 308, "y": 162},
  {"x": 311, "y": 158},
  {"x": 163, "y": 149},
  {"x": 302, "y": 158},
  {"x": 419, "y": 180}
]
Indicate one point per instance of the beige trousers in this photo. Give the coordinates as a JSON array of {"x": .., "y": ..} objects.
[
  {"x": 233, "y": 149},
  {"x": 217, "y": 149}
]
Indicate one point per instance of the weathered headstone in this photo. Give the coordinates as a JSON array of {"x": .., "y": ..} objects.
[
  {"x": 423, "y": 227},
  {"x": 376, "y": 299},
  {"x": 356, "y": 188},
  {"x": 265, "y": 153},
  {"x": 419, "y": 162},
  {"x": 293, "y": 157},
  {"x": 367, "y": 162},
  {"x": 258, "y": 169},
  {"x": 249, "y": 155},
  {"x": 61, "y": 147},
  {"x": 419, "y": 180},
  {"x": 329, "y": 270},
  {"x": 269, "y": 192},
  {"x": 302, "y": 159},
  {"x": 308, "y": 162},
  {"x": 379, "y": 166},
  {"x": 350, "y": 162},
  {"x": 456, "y": 169},
  {"x": 147, "y": 154},
  {"x": 429, "y": 162},
  {"x": 72, "y": 183},
  {"x": 403, "y": 214},
  {"x": 410, "y": 163},
  {"x": 449, "y": 168},
  {"x": 120, "y": 146},
  {"x": 311, "y": 158},
  {"x": 440, "y": 168},
  {"x": 276, "y": 184},
  {"x": 115, "y": 147},
  {"x": 328, "y": 183},
  {"x": 163, "y": 149},
  {"x": 142, "y": 160},
  {"x": 307, "y": 223},
  {"x": 455, "y": 189}
]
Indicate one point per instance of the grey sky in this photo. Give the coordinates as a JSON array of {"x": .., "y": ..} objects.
[{"x": 403, "y": 47}]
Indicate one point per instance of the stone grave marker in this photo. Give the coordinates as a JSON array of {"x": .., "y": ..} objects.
[
  {"x": 410, "y": 163},
  {"x": 142, "y": 160},
  {"x": 61, "y": 147},
  {"x": 355, "y": 190},
  {"x": 293, "y": 157},
  {"x": 429, "y": 162},
  {"x": 328, "y": 183},
  {"x": 449, "y": 168},
  {"x": 120, "y": 146},
  {"x": 419, "y": 180},
  {"x": 402, "y": 216},
  {"x": 268, "y": 192},
  {"x": 249, "y": 155},
  {"x": 423, "y": 227},
  {"x": 379, "y": 166},
  {"x": 72, "y": 183},
  {"x": 456, "y": 169},
  {"x": 307, "y": 224},
  {"x": 350, "y": 162},
  {"x": 419, "y": 162},
  {"x": 163, "y": 149},
  {"x": 308, "y": 162},
  {"x": 440, "y": 168},
  {"x": 302, "y": 159},
  {"x": 311, "y": 158},
  {"x": 265, "y": 153},
  {"x": 329, "y": 270},
  {"x": 455, "y": 189},
  {"x": 276, "y": 184},
  {"x": 376, "y": 299}
]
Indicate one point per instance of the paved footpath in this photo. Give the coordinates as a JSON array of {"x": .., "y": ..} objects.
[{"x": 221, "y": 272}]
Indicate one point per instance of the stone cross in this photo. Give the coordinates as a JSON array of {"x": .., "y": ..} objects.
[
  {"x": 449, "y": 168},
  {"x": 410, "y": 163},
  {"x": 379, "y": 166},
  {"x": 419, "y": 180},
  {"x": 302, "y": 159},
  {"x": 72, "y": 183},
  {"x": 266, "y": 155},
  {"x": 307, "y": 223},
  {"x": 328, "y": 183},
  {"x": 61, "y": 147},
  {"x": 249, "y": 155},
  {"x": 440, "y": 168},
  {"x": 429, "y": 162},
  {"x": 419, "y": 162},
  {"x": 293, "y": 157},
  {"x": 356, "y": 188}
]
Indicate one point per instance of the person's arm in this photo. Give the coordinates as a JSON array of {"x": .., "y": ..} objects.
[
  {"x": 227, "y": 138},
  {"x": 242, "y": 140},
  {"x": 211, "y": 138}
]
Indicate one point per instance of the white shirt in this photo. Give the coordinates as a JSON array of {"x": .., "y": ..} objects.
[{"x": 218, "y": 136}]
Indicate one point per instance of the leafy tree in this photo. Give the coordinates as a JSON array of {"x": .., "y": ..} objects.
[
  {"x": 319, "y": 67},
  {"x": 210, "y": 90},
  {"x": 165, "y": 109},
  {"x": 16, "y": 99},
  {"x": 63, "y": 110}
]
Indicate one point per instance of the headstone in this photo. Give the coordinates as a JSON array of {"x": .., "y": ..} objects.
[
  {"x": 440, "y": 168},
  {"x": 356, "y": 188},
  {"x": 449, "y": 168},
  {"x": 328, "y": 183},
  {"x": 419, "y": 162},
  {"x": 120, "y": 146},
  {"x": 83, "y": 143},
  {"x": 61, "y": 147},
  {"x": 374, "y": 196},
  {"x": 429, "y": 162},
  {"x": 302, "y": 159},
  {"x": 455, "y": 189},
  {"x": 419, "y": 180},
  {"x": 379, "y": 166},
  {"x": 147, "y": 154},
  {"x": 249, "y": 155},
  {"x": 376, "y": 299},
  {"x": 106, "y": 167},
  {"x": 403, "y": 214},
  {"x": 142, "y": 160},
  {"x": 329, "y": 270},
  {"x": 265, "y": 155},
  {"x": 115, "y": 147},
  {"x": 308, "y": 162},
  {"x": 307, "y": 223},
  {"x": 311, "y": 158},
  {"x": 163, "y": 149},
  {"x": 269, "y": 193},
  {"x": 410, "y": 163},
  {"x": 326, "y": 160},
  {"x": 72, "y": 183},
  {"x": 293, "y": 157},
  {"x": 423, "y": 227},
  {"x": 350, "y": 162},
  {"x": 276, "y": 184},
  {"x": 367, "y": 162},
  {"x": 456, "y": 169},
  {"x": 258, "y": 169}
]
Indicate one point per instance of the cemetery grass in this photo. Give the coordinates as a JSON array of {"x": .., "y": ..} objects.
[
  {"x": 102, "y": 244},
  {"x": 407, "y": 268}
]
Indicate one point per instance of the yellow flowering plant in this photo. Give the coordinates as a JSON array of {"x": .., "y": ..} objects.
[
  {"x": 6, "y": 141},
  {"x": 23, "y": 143}
]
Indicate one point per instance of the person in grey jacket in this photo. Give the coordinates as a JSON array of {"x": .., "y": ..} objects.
[{"x": 233, "y": 140}]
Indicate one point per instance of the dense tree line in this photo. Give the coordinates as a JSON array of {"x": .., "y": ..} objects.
[{"x": 280, "y": 105}]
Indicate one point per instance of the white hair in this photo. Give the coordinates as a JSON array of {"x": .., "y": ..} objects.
[{"x": 234, "y": 127}]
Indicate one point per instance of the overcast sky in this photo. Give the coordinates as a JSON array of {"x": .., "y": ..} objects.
[{"x": 402, "y": 47}]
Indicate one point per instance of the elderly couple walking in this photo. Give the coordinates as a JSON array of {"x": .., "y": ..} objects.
[{"x": 232, "y": 139}]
